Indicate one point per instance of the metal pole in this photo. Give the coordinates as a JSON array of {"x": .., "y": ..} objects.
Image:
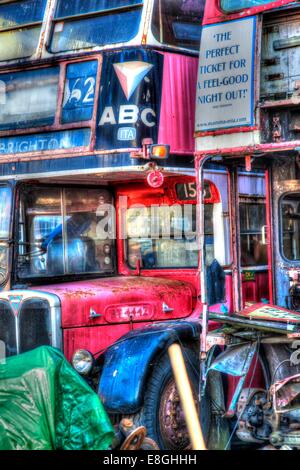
[
  {"x": 199, "y": 165},
  {"x": 186, "y": 397}
]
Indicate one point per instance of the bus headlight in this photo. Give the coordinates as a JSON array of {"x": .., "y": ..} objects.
[{"x": 82, "y": 361}]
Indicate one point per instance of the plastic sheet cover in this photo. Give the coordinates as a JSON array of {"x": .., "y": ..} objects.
[{"x": 45, "y": 404}]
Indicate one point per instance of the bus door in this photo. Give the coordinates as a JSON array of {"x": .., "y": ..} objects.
[
  {"x": 249, "y": 243},
  {"x": 240, "y": 242},
  {"x": 253, "y": 237}
]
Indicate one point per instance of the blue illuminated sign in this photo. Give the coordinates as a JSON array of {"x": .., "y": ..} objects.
[{"x": 43, "y": 142}]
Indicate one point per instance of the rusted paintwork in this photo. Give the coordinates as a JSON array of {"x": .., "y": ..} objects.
[{"x": 121, "y": 300}]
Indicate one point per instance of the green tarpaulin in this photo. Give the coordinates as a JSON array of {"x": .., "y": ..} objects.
[{"x": 45, "y": 404}]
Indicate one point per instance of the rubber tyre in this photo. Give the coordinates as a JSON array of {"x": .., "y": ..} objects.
[{"x": 157, "y": 386}]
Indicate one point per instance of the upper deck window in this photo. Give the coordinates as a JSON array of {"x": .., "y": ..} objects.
[
  {"x": 28, "y": 99},
  {"x": 20, "y": 98},
  {"x": 20, "y": 26},
  {"x": 83, "y": 24},
  {"x": 178, "y": 22},
  {"x": 236, "y": 5}
]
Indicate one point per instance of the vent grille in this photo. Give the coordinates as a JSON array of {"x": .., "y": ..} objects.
[
  {"x": 28, "y": 328},
  {"x": 34, "y": 324},
  {"x": 8, "y": 333}
]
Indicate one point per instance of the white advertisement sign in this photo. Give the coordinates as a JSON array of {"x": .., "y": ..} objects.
[{"x": 225, "y": 87}]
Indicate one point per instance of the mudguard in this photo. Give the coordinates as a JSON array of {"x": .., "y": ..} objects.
[{"x": 127, "y": 362}]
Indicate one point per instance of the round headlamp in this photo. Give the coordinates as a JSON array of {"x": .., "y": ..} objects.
[{"x": 82, "y": 361}]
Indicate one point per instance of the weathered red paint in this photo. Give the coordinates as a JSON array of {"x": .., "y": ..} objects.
[
  {"x": 235, "y": 130},
  {"x": 252, "y": 150},
  {"x": 269, "y": 236},
  {"x": 256, "y": 290},
  {"x": 133, "y": 297}
]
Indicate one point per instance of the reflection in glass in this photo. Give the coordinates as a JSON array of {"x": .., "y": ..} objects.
[
  {"x": 178, "y": 22},
  {"x": 110, "y": 23},
  {"x": 19, "y": 43},
  {"x": 20, "y": 26},
  {"x": 165, "y": 236},
  {"x": 290, "y": 226},
  {"x": 65, "y": 231},
  {"x": 20, "y": 97},
  {"x": 235, "y": 5},
  {"x": 5, "y": 211},
  {"x": 67, "y": 8},
  {"x": 5, "y": 220}
]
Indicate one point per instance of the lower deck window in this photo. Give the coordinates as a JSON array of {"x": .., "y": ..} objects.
[{"x": 165, "y": 237}]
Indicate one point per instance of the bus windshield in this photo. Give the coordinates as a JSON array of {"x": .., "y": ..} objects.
[
  {"x": 82, "y": 24},
  {"x": 236, "y": 5},
  {"x": 65, "y": 231}
]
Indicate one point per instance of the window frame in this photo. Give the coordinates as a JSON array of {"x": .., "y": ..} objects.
[
  {"x": 68, "y": 19},
  {"x": 27, "y": 26},
  {"x": 256, "y": 200},
  {"x": 172, "y": 46},
  {"x": 280, "y": 225},
  {"x": 123, "y": 216},
  {"x": 58, "y": 125},
  {"x": 68, "y": 276},
  {"x": 232, "y": 12}
]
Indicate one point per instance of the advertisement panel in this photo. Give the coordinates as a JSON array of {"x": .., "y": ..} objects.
[
  {"x": 225, "y": 86},
  {"x": 130, "y": 97}
]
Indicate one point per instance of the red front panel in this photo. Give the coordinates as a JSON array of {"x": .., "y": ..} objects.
[{"x": 95, "y": 313}]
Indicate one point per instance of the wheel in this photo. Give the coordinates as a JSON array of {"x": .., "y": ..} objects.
[{"x": 162, "y": 413}]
